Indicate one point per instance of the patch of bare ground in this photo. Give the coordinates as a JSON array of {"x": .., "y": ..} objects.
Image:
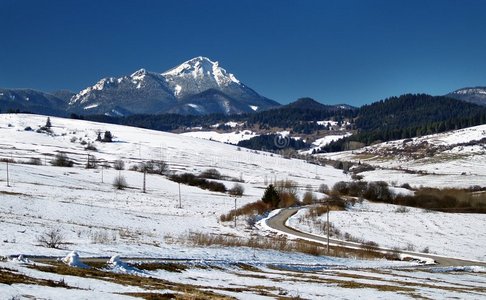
[
  {"x": 12, "y": 193},
  {"x": 446, "y": 286},
  {"x": 170, "y": 267},
  {"x": 9, "y": 277},
  {"x": 145, "y": 282}
]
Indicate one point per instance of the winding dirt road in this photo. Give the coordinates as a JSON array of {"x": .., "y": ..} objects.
[{"x": 278, "y": 221}]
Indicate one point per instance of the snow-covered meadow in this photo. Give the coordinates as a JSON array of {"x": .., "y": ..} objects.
[
  {"x": 454, "y": 163},
  {"x": 97, "y": 220},
  {"x": 411, "y": 229},
  {"x": 84, "y": 203}
]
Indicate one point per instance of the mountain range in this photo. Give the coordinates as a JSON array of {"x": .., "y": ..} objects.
[{"x": 198, "y": 86}]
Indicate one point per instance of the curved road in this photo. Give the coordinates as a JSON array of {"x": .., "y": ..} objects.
[{"x": 277, "y": 222}]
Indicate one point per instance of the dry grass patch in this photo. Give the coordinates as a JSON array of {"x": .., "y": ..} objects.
[
  {"x": 170, "y": 267},
  {"x": 280, "y": 243},
  {"x": 255, "y": 208},
  {"x": 9, "y": 277},
  {"x": 149, "y": 283}
]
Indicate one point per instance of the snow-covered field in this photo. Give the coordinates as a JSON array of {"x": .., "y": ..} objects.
[
  {"x": 229, "y": 137},
  {"x": 453, "y": 164},
  {"x": 97, "y": 220},
  {"x": 446, "y": 234},
  {"x": 77, "y": 200}
]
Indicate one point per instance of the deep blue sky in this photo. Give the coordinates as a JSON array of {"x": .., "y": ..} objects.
[{"x": 351, "y": 52}]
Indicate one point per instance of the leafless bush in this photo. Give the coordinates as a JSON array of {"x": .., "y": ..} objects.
[
  {"x": 102, "y": 237},
  {"x": 323, "y": 188},
  {"x": 210, "y": 174},
  {"x": 308, "y": 198},
  {"x": 52, "y": 238},
  {"x": 410, "y": 247},
  {"x": 120, "y": 182},
  {"x": 237, "y": 190},
  {"x": 119, "y": 164},
  {"x": 61, "y": 160},
  {"x": 154, "y": 167},
  {"x": 255, "y": 208},
  {"x": 35, "y": 161},
  {"x": 369, "y": 246},
  {"x": 402, "y": 209},
  {"x": 91, "y": 163}
]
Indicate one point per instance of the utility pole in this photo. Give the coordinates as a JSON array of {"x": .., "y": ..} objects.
[
  {"x": 180, "y": 202},
  {"x": 327, "y": 225},
  {"x": 144, "y": 181},
  {"x": 8, "y": 179},
  {"x": 235, "y": 211}
]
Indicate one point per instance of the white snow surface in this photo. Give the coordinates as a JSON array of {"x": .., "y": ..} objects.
[
  {"x": 446, "y": 234},
  {"x": 95, "y": 218},
  {"x": 229, "y": 137},
  {"x": 460, "y": 166}
]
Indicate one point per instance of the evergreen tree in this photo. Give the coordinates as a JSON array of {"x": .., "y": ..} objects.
[
  {"x": 271, "y": 196},
  {"x": 107, "y": 138},
  {"x": 48, "y": 123}
]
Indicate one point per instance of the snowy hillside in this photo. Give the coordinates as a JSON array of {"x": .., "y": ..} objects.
[
  {"x": 197, "y": 86},
  {"x": 228, "y": 137},
  {"x": 450, "y": 159},
  {"x": 67, "y": 196},
  {"x": 97, "y": 220}
]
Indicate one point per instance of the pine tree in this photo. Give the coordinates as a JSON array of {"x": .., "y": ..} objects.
[
  {"x": 271, "y": 196},
  {"x": 48, "y": 123},
  {"x": 107, "y": 138}
]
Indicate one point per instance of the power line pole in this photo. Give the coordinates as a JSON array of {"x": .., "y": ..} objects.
[
  {"x": 327, "y": 226},
  {"x": 235, "y": 211},
  {"x": 144, "y": 181},
  {"x": 8, "y": 179},
  {"x": 180, "y": 202}
]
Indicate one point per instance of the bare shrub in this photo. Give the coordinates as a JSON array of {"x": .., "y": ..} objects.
[
  {"x": 255, "y": 208},
  {"x": 237, "y": 190},
  {"x": 154, "y": 167},
  {"x": 410, "y": 247},
  {"x": 35, "y": 161},
  {"x": 52, "y": 238},
  {"x": 402, "y": 209},
  {"x": 119, "y": 164},
  {"x": 61, "y": 160},
  {"x": 91, "y": 163},
  {"x": 210, "y": 174},
  {"x": 323, "y": 188},
  {"x": 90, "y": 147},
  {"x": 102, "y": 237},
  {"x": 287, "y": 191},
  {"x": 308, "y": 198},
  {"x": 120, "y": 182},
  {"x": 369, "y": 246}
]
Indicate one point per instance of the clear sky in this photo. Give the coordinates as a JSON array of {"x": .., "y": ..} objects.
[{"x": 339, "y": 51}]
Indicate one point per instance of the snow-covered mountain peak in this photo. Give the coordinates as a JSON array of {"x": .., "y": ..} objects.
[
  {"x": 201, "y": 68},
  {"x": 198, "y": 81},
  {"x": 99, "y": 86},
  {"x": 476, "y": 95},
  {"x": 475, "y": 90},
  {"x": 139, "y": 74}
]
